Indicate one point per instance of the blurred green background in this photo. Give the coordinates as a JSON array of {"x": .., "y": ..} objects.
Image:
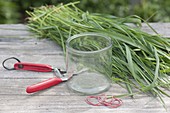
[{"x": 13, "y": 11}]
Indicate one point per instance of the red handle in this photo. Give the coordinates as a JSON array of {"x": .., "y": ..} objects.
[
  {"x": 43, "y": 85},
  {"x": 32, "y": 67}
]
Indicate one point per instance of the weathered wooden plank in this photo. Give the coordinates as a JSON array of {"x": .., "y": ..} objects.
[
  {"x": 76, "y": 104},
  {"x": 17, "y": 86},
  {"x": 29, "y": 47},
  {"x": 161, "y": 28},
  {"x": 13, "y": 26},
  {"x": 63, "y": 100},
  {"x": 11, "y": 31}
]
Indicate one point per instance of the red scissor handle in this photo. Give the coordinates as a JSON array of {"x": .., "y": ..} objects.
[
  {"x": 33, "y": 67},
  {"x": 43, "y": 85},
  {"x": 39, "y": 68}
]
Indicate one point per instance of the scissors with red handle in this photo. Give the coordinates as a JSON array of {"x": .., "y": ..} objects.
[{"x": 38, "y": 68}]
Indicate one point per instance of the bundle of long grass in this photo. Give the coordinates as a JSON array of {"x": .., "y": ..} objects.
[{"x": 140, "y": 60}]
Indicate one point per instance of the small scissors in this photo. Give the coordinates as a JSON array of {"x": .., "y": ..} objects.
[{"x": 60, "y": 75}]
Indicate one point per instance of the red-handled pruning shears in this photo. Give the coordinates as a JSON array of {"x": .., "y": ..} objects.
[{"x": 39, "y": 68}]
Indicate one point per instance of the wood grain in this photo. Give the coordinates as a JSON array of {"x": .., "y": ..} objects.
[{"x": 17, "y": 41}]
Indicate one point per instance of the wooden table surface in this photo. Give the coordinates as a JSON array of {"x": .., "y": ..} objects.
[{"x": 17, "y": 41}]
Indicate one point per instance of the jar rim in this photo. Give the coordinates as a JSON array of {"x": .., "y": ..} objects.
[{"x": 88, "y": 34}]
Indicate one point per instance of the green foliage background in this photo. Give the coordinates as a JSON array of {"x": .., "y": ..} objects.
[{"x": 13, "y": 11}]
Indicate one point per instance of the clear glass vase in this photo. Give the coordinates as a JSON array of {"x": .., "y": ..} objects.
[{"x": 89, "y": 64}]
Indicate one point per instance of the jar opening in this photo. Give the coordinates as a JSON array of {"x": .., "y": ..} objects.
[{"x": 88, "y": 42}]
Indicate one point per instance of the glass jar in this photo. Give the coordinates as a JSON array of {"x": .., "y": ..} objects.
[{"x": 89, "y": 62}]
